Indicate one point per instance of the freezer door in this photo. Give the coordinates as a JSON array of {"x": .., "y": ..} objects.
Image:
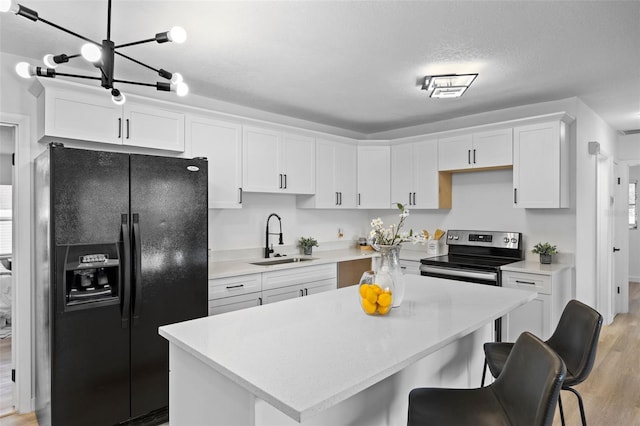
[
  {"x": 169, "y": 246},
  {"x": 89, "y": 347}
]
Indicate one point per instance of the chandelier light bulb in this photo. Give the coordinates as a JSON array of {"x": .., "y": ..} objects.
[
  {"x": 118, "y": 97},
  {"x": 176, "y": 78},
  {"x": 91, "y": 52},
  {"x": 8, "y": 6},
  {"x": 25, "y": 70},
  {"x": 177, "y": 35},
  {"x": 49, "y": 62},
  {"x": 182, "y": 89}
]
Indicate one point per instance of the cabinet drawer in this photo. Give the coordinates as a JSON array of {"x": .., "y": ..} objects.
[
  {"x": 234, "y": 303},
  {"x": 233, "y": 286},
  {"x": 536, "y": 282},
  {"x": 288, "y": 277}
]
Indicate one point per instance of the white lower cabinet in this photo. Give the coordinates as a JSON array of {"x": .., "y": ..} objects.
[
  {"x": 290, "y": 283},
  {"x": 245, "y": 291},
  {"x": 541, "y": 315}
]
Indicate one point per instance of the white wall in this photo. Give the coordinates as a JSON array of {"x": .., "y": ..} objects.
[
  {"x": 245, "y": 228},
  {"x": 592, "y": 273},
  {"x": 484, "y": 201}
]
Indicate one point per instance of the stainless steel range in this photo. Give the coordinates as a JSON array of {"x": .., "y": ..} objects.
[{"x": 475, "y": 256}]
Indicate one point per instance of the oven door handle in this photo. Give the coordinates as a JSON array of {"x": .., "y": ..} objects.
[{"x": 488, "y": 276}]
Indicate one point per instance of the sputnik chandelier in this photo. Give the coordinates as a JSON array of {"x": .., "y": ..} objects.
[{"x": 102, "y": 55}]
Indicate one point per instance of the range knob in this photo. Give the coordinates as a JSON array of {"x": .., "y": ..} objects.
[
  {"x": 450, "y": 237},
  {"x": 514, "y": 240},
  {"x": 455, "y": 237},
  {"x": 506, "y": 240}
]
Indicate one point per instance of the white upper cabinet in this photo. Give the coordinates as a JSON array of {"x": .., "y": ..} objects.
[
  {"x": 541, "y": 166},
  {"x": 414, "y": 174},
  {"x": 279, "y": 162},
  {"x": 221, "y": 143},
  {"x": 335, "y": 177},
  {"x": 151, "y": 124},
  {"x": 374, "y": 177},
  {"x": 476, "y": 150},
  {"x": 72, "y": 111}
]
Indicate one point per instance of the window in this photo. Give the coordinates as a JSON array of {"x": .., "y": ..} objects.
[{"x": 633, "y": 210}]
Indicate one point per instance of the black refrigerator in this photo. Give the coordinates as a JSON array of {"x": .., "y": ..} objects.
[{"x": 121, "y": 249}]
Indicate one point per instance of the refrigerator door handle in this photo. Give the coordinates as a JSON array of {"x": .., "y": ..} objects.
[
  {"x": 137, "y": 275},
  {"x": 126, "y": 266}
]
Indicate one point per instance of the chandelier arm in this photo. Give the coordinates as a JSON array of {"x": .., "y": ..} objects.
[
  {"x": 67, "y": 31},
  {"x": 149, "y": 40},
  {"x": 137, "y": 83},
  {"x": 137, "y": 61},
  {"x": 89, "y": 77}
]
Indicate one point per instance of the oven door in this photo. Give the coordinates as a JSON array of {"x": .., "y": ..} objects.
[
  {"x": 478, "y": 276},
  {"x": 487, "y": 277}
]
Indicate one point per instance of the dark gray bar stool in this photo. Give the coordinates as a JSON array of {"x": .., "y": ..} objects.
[
  {"x": 575, "y": 339},
  {"x": 525, "y": 394}
]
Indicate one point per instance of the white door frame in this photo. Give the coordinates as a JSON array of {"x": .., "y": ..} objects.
[
  {"x": 22, "y": 260},
  {"x": 604, "y": 238},
  {"x": 620, "y": 271}
]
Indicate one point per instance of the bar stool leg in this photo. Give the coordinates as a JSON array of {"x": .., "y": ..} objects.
[
  {"x": 580, "y": 404},
  {"x": 484, "y": 372},
  {"x": 561, "y": 410}
]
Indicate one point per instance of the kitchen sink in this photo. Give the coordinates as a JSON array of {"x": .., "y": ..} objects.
[{"x": 282, "y": 260}]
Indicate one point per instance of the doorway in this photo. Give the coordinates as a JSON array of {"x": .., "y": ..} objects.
[
  {"x": 18, "y": 128},
  {"x": 7, "y": 309}
]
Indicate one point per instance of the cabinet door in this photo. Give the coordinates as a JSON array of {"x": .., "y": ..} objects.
[
  {"x": 152, "y": 125},
  {"x": 261, "y": 160},
  {"x": 221, "y": 143},
  {"x": 345, "y": 172},
  {"x": 536, "y": 166},
  {"x": 298, "y": 164},
  {"x": 534, "y": 317},
  {"x": 492, "y": 148},
  {"x": 454, "y": 153},
  {"x": 402, "y": 174},
  {"x": 282, "y": 293},
  {"x": 326, "y": 192},
  {"x": 320, "y": 286},
  {"x": 84, "y": 116},
  {"x": 374, "y": 177},
  {"x": 234, "y": 303},
  {"x": 425, "y": 175}
]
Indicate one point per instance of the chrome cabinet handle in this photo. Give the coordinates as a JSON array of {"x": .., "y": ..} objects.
[
  {"x": 119, "y": 128},
  {"x": 240, "y": 191},
  {"x": 526, "y": 282},
  {"x": 474, "y": 156},
  {"x": 127, "y": 120}
]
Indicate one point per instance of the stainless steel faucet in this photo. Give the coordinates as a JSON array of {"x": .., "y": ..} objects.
[{"x": 268, "y": 250}]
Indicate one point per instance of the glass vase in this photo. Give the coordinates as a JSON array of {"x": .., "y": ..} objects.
[
  {"x": 375, "y": 298},
  {"x": 389, "y": 270}
]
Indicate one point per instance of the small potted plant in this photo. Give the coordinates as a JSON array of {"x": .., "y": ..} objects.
[
  {"x": 545, "y": 250},
  {"x": 307, "y": 245}
]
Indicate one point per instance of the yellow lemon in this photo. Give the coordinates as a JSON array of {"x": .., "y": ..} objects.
[
  {"x": 363, "y": 290},
  {"x": 384, "y": 300},
  {"x": 376, "y": 288},
  {"x": 383, "y": 310},
  {"x": 371, "y": 296},
  {"x": 369, "y": 307}
]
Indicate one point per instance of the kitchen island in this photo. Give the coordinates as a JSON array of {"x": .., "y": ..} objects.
[{"x": 321, "y": 360}]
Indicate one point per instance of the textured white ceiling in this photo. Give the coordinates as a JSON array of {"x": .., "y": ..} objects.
[{"x": 357, "y": 64}]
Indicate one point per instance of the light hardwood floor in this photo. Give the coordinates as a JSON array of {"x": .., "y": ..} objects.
[{"x": 611, "y": 393}]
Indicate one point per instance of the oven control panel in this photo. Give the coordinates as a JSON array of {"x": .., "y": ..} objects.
[{"x": 484, "y": 238}]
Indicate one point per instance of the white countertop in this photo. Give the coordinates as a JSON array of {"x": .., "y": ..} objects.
[
  {"x": 228, "y": 268},
  {"x": 307, "y": 354},
  {"x": 535, "y": 267}
]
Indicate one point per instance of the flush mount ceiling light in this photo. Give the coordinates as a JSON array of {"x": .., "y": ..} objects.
[
  {"x": 102, "y": 55},
  {"x": 447, "y": 86}
]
